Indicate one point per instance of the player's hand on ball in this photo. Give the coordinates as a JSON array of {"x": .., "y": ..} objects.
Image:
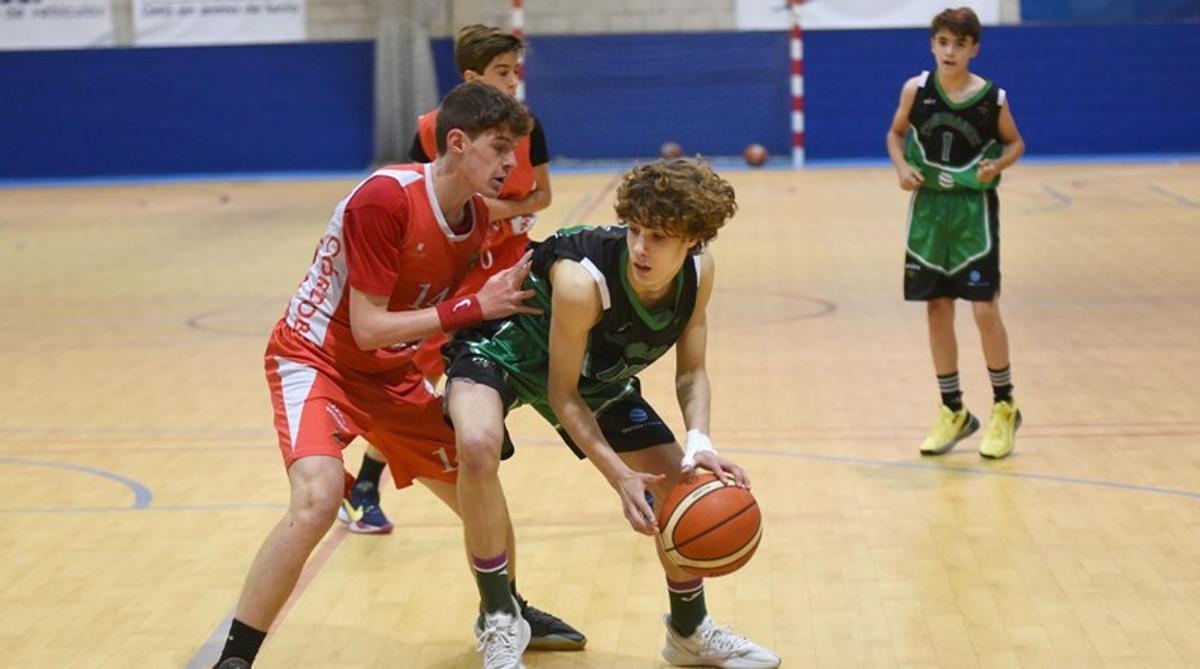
[
  {"x": 727, "y": 471},
  {"x": 632, "y": 489}
]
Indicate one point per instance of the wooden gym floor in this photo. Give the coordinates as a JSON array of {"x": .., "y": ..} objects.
[{"x": 141, "y": 473}]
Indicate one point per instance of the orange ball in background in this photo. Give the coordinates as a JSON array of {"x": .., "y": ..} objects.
[
  {"x": 671, "y": 150},
  {"x": 707, "y": 528},
  {"x": 755, "y": 155}
]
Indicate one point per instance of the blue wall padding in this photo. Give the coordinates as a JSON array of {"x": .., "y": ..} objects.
[
  {"x": 1074, "y": 91},
  {"x": 1077, "y": 91},
  {"x": 1109, "y": 11},
  {"x": 186, "y": 110}
]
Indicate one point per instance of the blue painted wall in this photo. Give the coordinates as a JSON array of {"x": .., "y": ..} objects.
[
  {"x": 186, "y": 110},
  {"x": 1075, "y": 90},
  {"x": 1111, "y": 11},
  {"x": 1080, "y": 90}
]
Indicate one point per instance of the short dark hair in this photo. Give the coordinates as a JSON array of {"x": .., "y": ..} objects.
[
  {"x": 961, "y": 21},
  {"x": 474, "y": 107},
  {"x": 476, "y": 45}
]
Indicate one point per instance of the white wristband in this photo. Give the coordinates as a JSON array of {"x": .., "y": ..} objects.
[{"x": 697, "y": 442}]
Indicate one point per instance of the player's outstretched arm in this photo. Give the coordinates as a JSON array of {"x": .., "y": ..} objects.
[
  {"x": 575, "y": 309},
  {"x": 375, "y": 326},
  {"x": 692, "y": 387}
]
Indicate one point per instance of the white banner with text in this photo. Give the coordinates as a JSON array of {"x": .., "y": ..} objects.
[
  {"x": 55, "y": 24},
  {"x": 200, "y": 22},
  {"x": 820, "y": 14}
]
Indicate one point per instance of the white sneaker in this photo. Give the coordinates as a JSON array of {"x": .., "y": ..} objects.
[
  {"x": 503, "y": 639},
  {"x": 713, "y": 646}
]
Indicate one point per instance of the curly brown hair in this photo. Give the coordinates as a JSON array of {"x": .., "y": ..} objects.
[{"x": 682, "y": 196}]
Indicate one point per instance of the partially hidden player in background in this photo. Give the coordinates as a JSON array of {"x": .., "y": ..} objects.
[
  {"x": 962, "y": 137},
  {"x": 489, "y": 55},
  {"x": 339, "y": 362},
  {"x": 613, "y": 300}
]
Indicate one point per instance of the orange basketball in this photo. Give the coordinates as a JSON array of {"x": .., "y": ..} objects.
[
  {"x": 708, "y": 528},
  {"x": 671, "y": 150},
  {"x": 755, "y": 155}
]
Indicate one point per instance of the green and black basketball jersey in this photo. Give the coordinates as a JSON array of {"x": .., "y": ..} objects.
[
  {"x": 948, "y": 138},
  {"x": 627, "y": 339}
]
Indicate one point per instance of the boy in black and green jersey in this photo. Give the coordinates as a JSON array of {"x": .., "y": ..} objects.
[
  {"x": 613, "y": 301},
  {"x": 962, "y": 136}
]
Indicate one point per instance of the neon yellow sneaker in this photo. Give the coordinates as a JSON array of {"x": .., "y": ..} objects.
[
  {"x": 951, "y": 427},
  {"x": 1001, "y": 433}
]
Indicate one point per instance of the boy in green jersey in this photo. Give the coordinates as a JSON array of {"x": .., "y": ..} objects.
[
  {"x": 613, "y": 300},
  {"x": 952, "y": 135}
]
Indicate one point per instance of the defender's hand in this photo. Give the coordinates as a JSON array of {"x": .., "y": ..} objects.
[{"x": 502, "y": 295}]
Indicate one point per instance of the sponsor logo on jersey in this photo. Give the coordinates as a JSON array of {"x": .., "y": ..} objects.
[
  {"x": 945, "y": 180},
  {"x": 638, "y": 415},
  {"x": 974, "y": 279}
]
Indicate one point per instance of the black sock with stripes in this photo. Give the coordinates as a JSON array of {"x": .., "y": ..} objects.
[
  {"x": 491, "y": 575},
  {"x": 951, "y": 393},
  {"x": 1002, "y": 386},
  {"x": 243, "y": 641},
  {"x": 687, "y": 605}
]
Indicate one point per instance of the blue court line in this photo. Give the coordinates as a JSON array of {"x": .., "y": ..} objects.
[
  {"x": 1060, "y": 197},
  {"x": 1181, "y": 199},
  {"x": 142, "y": 497}
]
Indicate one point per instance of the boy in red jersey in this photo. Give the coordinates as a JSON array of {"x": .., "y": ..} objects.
[
  {"x": 340, "y": 362},
  {"x": 489, "y": 55}
]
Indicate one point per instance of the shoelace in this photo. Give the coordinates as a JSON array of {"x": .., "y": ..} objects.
[
  {"x": 721, "y": 641},
  {"x": 505, "y": 648},
  {"x": 998, "y": 425}
]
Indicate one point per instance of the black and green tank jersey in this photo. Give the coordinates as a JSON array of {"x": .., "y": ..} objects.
[
  {"x": 948, "y": 138},
  {"x": 627, "y": 339}
]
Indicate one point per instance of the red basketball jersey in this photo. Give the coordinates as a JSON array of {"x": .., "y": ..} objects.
[{"x": 388, "y": 237}]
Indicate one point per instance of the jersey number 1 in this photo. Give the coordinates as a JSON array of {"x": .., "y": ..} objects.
[{"x": 947, "y": 140}]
